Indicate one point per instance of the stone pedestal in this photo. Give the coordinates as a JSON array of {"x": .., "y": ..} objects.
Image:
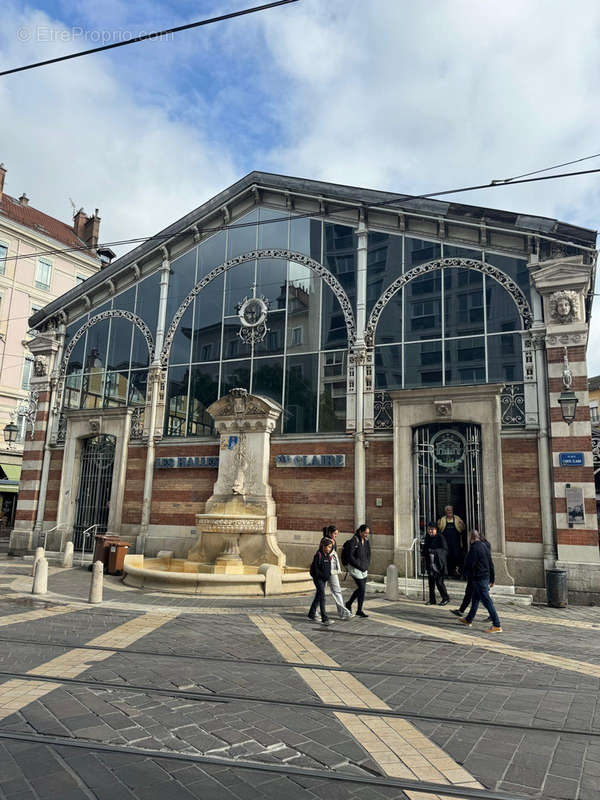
[{"x": 242, "y": 505}]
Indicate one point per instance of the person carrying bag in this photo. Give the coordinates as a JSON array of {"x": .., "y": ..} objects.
[{"x": 356, "y": 557}]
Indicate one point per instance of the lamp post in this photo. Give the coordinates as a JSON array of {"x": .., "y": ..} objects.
[
  {"x": 567, "y": 400},
  {"x": 10, "y": 432}
]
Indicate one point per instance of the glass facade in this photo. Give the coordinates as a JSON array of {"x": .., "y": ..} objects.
[{"x": 448, "y": 327}]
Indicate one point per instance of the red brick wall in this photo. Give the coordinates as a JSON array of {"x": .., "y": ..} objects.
[
  {"x": 308, "y": 498},
  {"x": 380, "y": 483},
  {"x": 520, "y": 472},
  {"x": 134, "y": 485},
  {"x": 178, "y": 494},
  {"x": 54, "y": 473}
]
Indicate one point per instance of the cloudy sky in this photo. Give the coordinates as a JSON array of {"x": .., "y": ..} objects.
[{"x": 391, "y": 94}]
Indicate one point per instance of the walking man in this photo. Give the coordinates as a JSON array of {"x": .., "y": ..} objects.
[
  {"x": 435, "y": 553},
  {"x": 466, "y": 601},
  {"x": 479, "y": 569},
  {"x": 452, "y": 528}
]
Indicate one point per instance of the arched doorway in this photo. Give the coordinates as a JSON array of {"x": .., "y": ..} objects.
[{"x": 95, "y": 486}]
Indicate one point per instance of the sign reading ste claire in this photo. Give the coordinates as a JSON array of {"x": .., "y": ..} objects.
[
  {"x": 173, "y": 462},
  {"x": 570, "y": 460},
  {"x": 318, "y": 460}
]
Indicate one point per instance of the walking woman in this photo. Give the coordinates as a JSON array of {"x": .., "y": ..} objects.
[
  {"x": 435, "y": 553},
  {"x": 320, "y": 572},
  {"x": 358, "y": 558},
  {"x": 331, "y": 532}
]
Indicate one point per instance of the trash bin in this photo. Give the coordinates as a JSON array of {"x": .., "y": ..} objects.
[
  {"x": 101, "y": 547},
  {"x": 556, "y": 588},
  {"x": 116, "y": 557}
]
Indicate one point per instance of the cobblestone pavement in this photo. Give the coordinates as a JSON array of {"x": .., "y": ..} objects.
[{"x": 407, "y": 694}]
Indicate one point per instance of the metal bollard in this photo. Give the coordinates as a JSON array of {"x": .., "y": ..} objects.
[
  {"x": 39, "y": 553},
  {"x": 40, "y": 579},
  {"x": 67, "y": 559},
  {"x": 391, "y": 583},
  {"x": 96, "y": 582}
]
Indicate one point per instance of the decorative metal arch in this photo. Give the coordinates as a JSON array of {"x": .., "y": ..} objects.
[
  {"x": 500, "y": 277},
  {"x": 115, "y": 312},
  {"x": 286, "y": 255}
]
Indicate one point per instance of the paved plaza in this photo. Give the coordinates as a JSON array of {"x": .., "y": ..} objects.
[{"x": 163, "y": 696}]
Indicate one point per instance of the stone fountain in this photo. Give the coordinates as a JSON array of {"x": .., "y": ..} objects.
[{"x": 237, "y": 550}]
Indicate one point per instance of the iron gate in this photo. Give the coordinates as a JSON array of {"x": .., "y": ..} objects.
[
  {"x": 95, "y": 483},
  {"x": 439, "y": 453}
]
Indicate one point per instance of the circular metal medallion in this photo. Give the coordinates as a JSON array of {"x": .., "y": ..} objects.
[
  {"x": 252, "y": 312},
  {"x": 448, "y": 448}
]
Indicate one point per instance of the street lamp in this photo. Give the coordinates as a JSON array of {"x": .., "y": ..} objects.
[
  {"x": 10, "y": 432},
  {"x": 567, "y": 400}
]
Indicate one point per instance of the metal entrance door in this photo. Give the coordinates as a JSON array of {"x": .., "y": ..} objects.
[
  {"x": 95, "y": 483},
  {"x": 446, "y": 457}
]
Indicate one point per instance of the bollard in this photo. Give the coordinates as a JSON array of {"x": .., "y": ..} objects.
[
  {"x": 40, "y": 579},
  {"x": 67, "y": 559},
  {"x": 391, "y": 583},
  {"x": 272, "y": 573},
  {"x": 39, "y": 553},
  {"x": 96, "y": 582}
]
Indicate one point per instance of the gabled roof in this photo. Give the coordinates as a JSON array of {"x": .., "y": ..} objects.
[
  {"x": 42, "y": 223},
  {"x": 329, "y": 192}
]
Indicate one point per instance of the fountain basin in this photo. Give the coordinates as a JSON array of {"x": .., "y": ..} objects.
[{"x": 180, "y": 576}]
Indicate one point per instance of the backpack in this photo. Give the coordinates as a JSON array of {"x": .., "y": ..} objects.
[{"x": 346, "y": 550}]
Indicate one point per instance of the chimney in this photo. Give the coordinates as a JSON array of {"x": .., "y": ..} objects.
[
  {"x": 2, "y": 176},
  {"x": 87, "y": 228},
  {"x": 24, "y": 200}
]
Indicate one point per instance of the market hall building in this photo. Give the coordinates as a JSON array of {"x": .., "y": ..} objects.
[{"x": 419, "y": 350}]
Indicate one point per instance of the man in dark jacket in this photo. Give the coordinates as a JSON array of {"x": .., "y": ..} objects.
[
  {"x": 435, "y": 553},
  {"x": 479, "y": 569},
  {"x": 466, "y": 601},
  {"x": 359, "y": 558}
]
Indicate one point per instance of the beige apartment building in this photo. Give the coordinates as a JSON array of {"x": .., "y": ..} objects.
[{"x": 41, "y": 258}]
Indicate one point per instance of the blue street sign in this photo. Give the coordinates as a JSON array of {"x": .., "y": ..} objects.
[{"x": 570, "y": 459}]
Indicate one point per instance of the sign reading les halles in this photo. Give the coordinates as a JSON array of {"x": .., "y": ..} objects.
[
  {"x": 187, "y": 462},
  {"x": 319, "y": 460}
]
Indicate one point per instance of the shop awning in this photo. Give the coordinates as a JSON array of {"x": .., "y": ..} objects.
[{"x": 12, "y": 472}]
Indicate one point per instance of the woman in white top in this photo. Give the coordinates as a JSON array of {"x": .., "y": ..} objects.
[{"x": 331, "y": 532}]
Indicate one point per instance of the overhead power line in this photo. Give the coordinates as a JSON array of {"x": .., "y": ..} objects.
[
  {"x": 155, "y": 35},
  {"x": 332, "y": 208},
  {"x": 548, "y": 169}
]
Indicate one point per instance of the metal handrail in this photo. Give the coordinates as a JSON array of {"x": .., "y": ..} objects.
[
  {"x": 406, "y": 551},
  {"x": 45, "y": 534},
  {"x": 84, "y": 535}
]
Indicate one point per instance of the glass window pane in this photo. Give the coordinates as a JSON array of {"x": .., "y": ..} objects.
[
  {"x": 211, "y": 253},
  {"x": 77, "y": 357},
  {"x": 451, "y": 251},
  {"x": 139, "y": 357},
  {"x": 333, "y": 333},
  {"x": 235, "y": 374},
  {"x": 304, "y": 301},
  {"x": 465, "y": 360},
  {"x": 267, "y": 378},
  {"x": 272, "y": 234},
  {"x": 418, "y": 251},
  {"x": 146, "y": 307},
  {"x": 422, "y": 364},
  {"x": 423, "y": 307},
  {"x": 204, "y": 390},
  {"x": 515, "y": 267},
  {"x": 505, "y": 360},
  {"x": 389, "y": 327},
  {"x": 242, "y": 240},
  {"x": 92, "y": 390},
  {"x": 138, "y": 383},
  {"x": 177, "y": 400},
  {"x": 97, "y": 341},
  {"x": 182, "y": 340},
  {"x": 72, "y": 391},
  {"x": 388, "y": 367},
  {"x": 384, "y": 264},
  {"x": 126, "y": 300},
  {"x": 305, "y": 237},
  {"x": 332, "y": 399},
  {"x": 233, "y": 346},
  {"x": 502, "y": 313},
  {"x": 206, "y": 344},
  {"x": 300, "y": 415},
  {"x": 181, "y": 281},
  {"x": 275, "y": 336},
  {"x": 121, "y": 332},
  {"x": 115, "y": 389},
  {"x": 463, "y": 302},
  {"x": 239, "y": 283},
  {"x": 270, "y": 281},
  {"x": 339, "y": 256}
]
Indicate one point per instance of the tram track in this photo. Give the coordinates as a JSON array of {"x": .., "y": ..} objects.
[
  {"x": 302, "y": 665},
  {"x": 370, "y": 778},
  {"x": 229, "y": 697}
]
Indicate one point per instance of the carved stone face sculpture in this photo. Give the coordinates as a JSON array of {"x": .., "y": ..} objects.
[{"x": 563, "y": 307}]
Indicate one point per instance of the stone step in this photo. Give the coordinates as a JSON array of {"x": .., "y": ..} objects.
[
  {"x": 55, "y": 557},
  {"x": 413, "y": 588}
]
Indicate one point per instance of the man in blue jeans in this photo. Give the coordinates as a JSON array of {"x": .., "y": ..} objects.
[{"x": 479, "y": 570}]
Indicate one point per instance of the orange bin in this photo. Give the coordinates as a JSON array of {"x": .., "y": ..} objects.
[
  {"x": 116, "y": 557},
  {"x": 101, "y": 547}
]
